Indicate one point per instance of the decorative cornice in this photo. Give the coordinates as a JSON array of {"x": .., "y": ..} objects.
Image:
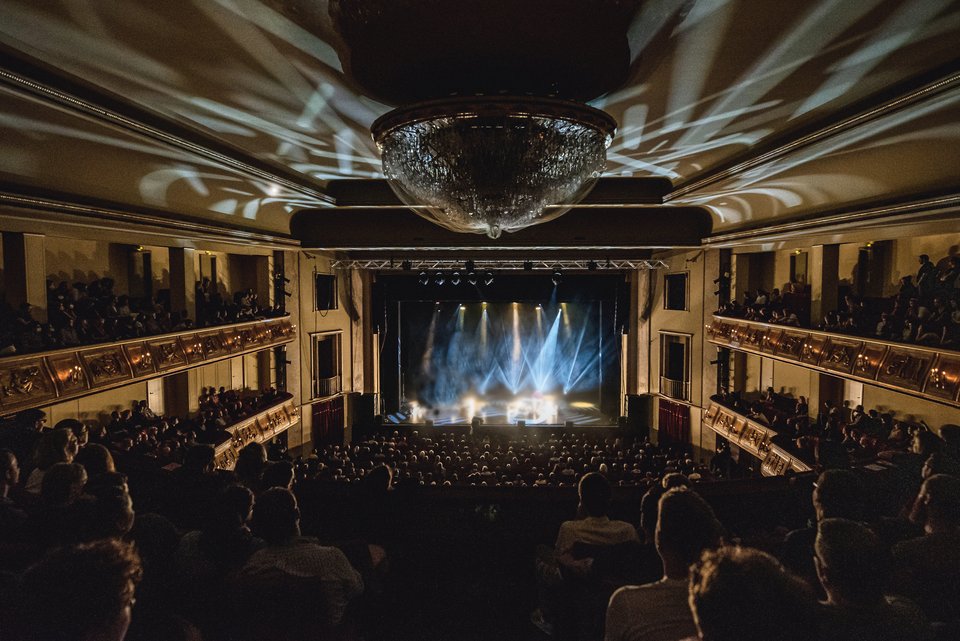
[
  {"x": 901, "y": 212},
  {"x": 137, "y": 124},
  {"x": 891, "y": 105},
  {"x": 34, "y": 208}
]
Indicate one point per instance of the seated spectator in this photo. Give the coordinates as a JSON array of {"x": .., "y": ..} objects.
[
  {"x": 836, "y": 494},
  {"x": 660, "y": 611},
  {"x": 276, "y": 519},
  {"x": 741, "y": 594},
  {"x": 12, "y": 517},
  {"x": 853, "y": 568},
  {"x": 926, "y": 568},
  {"x": 56, "y": 446},
  {"x": 594, "y": 527},
  {"x": 251, "y": 463},
  {"x": 80, "y": 593}
]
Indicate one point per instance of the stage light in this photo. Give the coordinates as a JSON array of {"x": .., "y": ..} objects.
[
  {"x": 527, "y": 266},
  {"x": 439, "y": 278},
  {"x": 424, "y": 278},
  {"x": 472, "y": 277},
  {"x": 557, "y": 277},
  {"x": 592, "y": 265},
  {"x": 406, "y": 266},
  {"x": 463, "y": 308},
  {"x": 488, "y": 277},
  {"x": 455, "y": 278}
]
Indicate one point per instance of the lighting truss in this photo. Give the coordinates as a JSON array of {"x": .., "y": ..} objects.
[{"x": 380, "y": 264}]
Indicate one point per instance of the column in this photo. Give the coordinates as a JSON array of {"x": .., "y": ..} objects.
[
  {"x": 823, "y": 268},
  {"x": 183, "y": 281},
  {"x": 25, "y": 272},
  {"x": 638, "y": 367}
]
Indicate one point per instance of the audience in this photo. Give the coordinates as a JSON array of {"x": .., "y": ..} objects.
[
  {"x": 276, "y": 519},
  {"x": 80, "y": 593},
  {"x": 659, "y": 611},
  {"x": 85, "y": 314},
  {"x": 742, "y": 594},
  {"x": 853, "y": 569},
  {"x": 925, "y": 312},
  {"x": 227, "y": 546}
]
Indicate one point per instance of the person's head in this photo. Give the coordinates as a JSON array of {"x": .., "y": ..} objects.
[
  {"x": 96, "y": 460},
  {"x": 250, "y": 462},
  {"x": 649, "y": 511},
  {"x": 379, "y": 479},
  {"x": 56, "y": 446},
  {"x": 595, "y": 494},
  {"x": 32, "y": 419},
  {"x": 81, "y": 593},
  {"x": 731, "y": 585},
  {"x": 924, "y": 259},
  {"x": 686, "y": 526},
  {"x": 112, "y": 511},
  {"x": 77, "y": 427},
  {"x": 62, "y": 484},
  {"x": 232, "y": 509},
  {"x": 279, "y": 474},
  {"x": 9, "y": 469},
  {"x": 276, "y": 517},
  {"x": 199, "y": 459},
  {"x": 937, "y": 507},
  {"x": 851, "y": 563},
  {"x": 674, "y": 479},
  {"x": 839, "y": 494}
]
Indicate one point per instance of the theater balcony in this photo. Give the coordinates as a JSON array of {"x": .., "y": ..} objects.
[
  {"x": 44, "y": 378},
  {"x": 260, "y": 428},
  {"x": 928, "y": 373}
]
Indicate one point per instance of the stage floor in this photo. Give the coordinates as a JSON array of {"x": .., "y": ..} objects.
[{"x": 532, "y": 410}]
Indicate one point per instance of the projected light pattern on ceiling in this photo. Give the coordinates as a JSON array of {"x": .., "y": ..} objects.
[
  {"x": 518, "y": 360},
  {"x": 710, "y": 81}
]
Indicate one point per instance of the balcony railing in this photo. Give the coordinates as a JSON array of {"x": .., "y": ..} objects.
[
  {"x": 37, "y": 380},
  {"x": 259, "y": 428},
  {"x": 926, "y": 372},
  {"x": 328, "y": 387},
  {"x": 677, "y": 390},
  {"x": 753, "y": 437}
]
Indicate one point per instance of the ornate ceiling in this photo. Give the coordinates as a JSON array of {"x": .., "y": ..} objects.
[{"x": 237, "y": 113}]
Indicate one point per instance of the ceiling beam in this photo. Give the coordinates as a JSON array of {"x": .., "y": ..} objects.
[{"x": 387, "y": 230}]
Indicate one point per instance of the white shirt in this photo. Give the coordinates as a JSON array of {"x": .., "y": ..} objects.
[
  {"x": 594, "y": 530},
  {"x": 652, "y": 612}
]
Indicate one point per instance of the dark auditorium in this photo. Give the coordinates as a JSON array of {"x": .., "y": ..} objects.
[{"x": 480, "y": 320}]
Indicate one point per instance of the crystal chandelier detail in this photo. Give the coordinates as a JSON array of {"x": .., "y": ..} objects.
[{"x": 493, "y": 164}]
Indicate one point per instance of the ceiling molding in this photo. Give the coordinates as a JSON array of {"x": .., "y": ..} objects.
[
  {"x": 55, "y": 87},
  {"x": 859, "y": 114},
  {"x": 36, "y": 212},
  {"x": 944, "y": 206}
]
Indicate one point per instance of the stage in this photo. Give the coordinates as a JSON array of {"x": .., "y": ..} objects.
[{"x": 539, "y": 410}]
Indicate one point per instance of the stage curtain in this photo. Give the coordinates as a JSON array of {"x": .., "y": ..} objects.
[
  {"x": 328, "y": 422},
  {"x": 674, "y": 422}
]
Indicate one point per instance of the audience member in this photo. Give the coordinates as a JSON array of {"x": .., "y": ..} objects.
[
  {"x": 742, "y": 594},
  {"x": 660, "y": 611}
]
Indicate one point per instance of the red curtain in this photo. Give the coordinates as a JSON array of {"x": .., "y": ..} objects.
[
  {"x": 674, "y": 422},
  {"x": 328, "y": 422}
]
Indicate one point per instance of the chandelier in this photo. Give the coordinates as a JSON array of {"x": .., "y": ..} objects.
[{"x": 493, "y": 164}]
